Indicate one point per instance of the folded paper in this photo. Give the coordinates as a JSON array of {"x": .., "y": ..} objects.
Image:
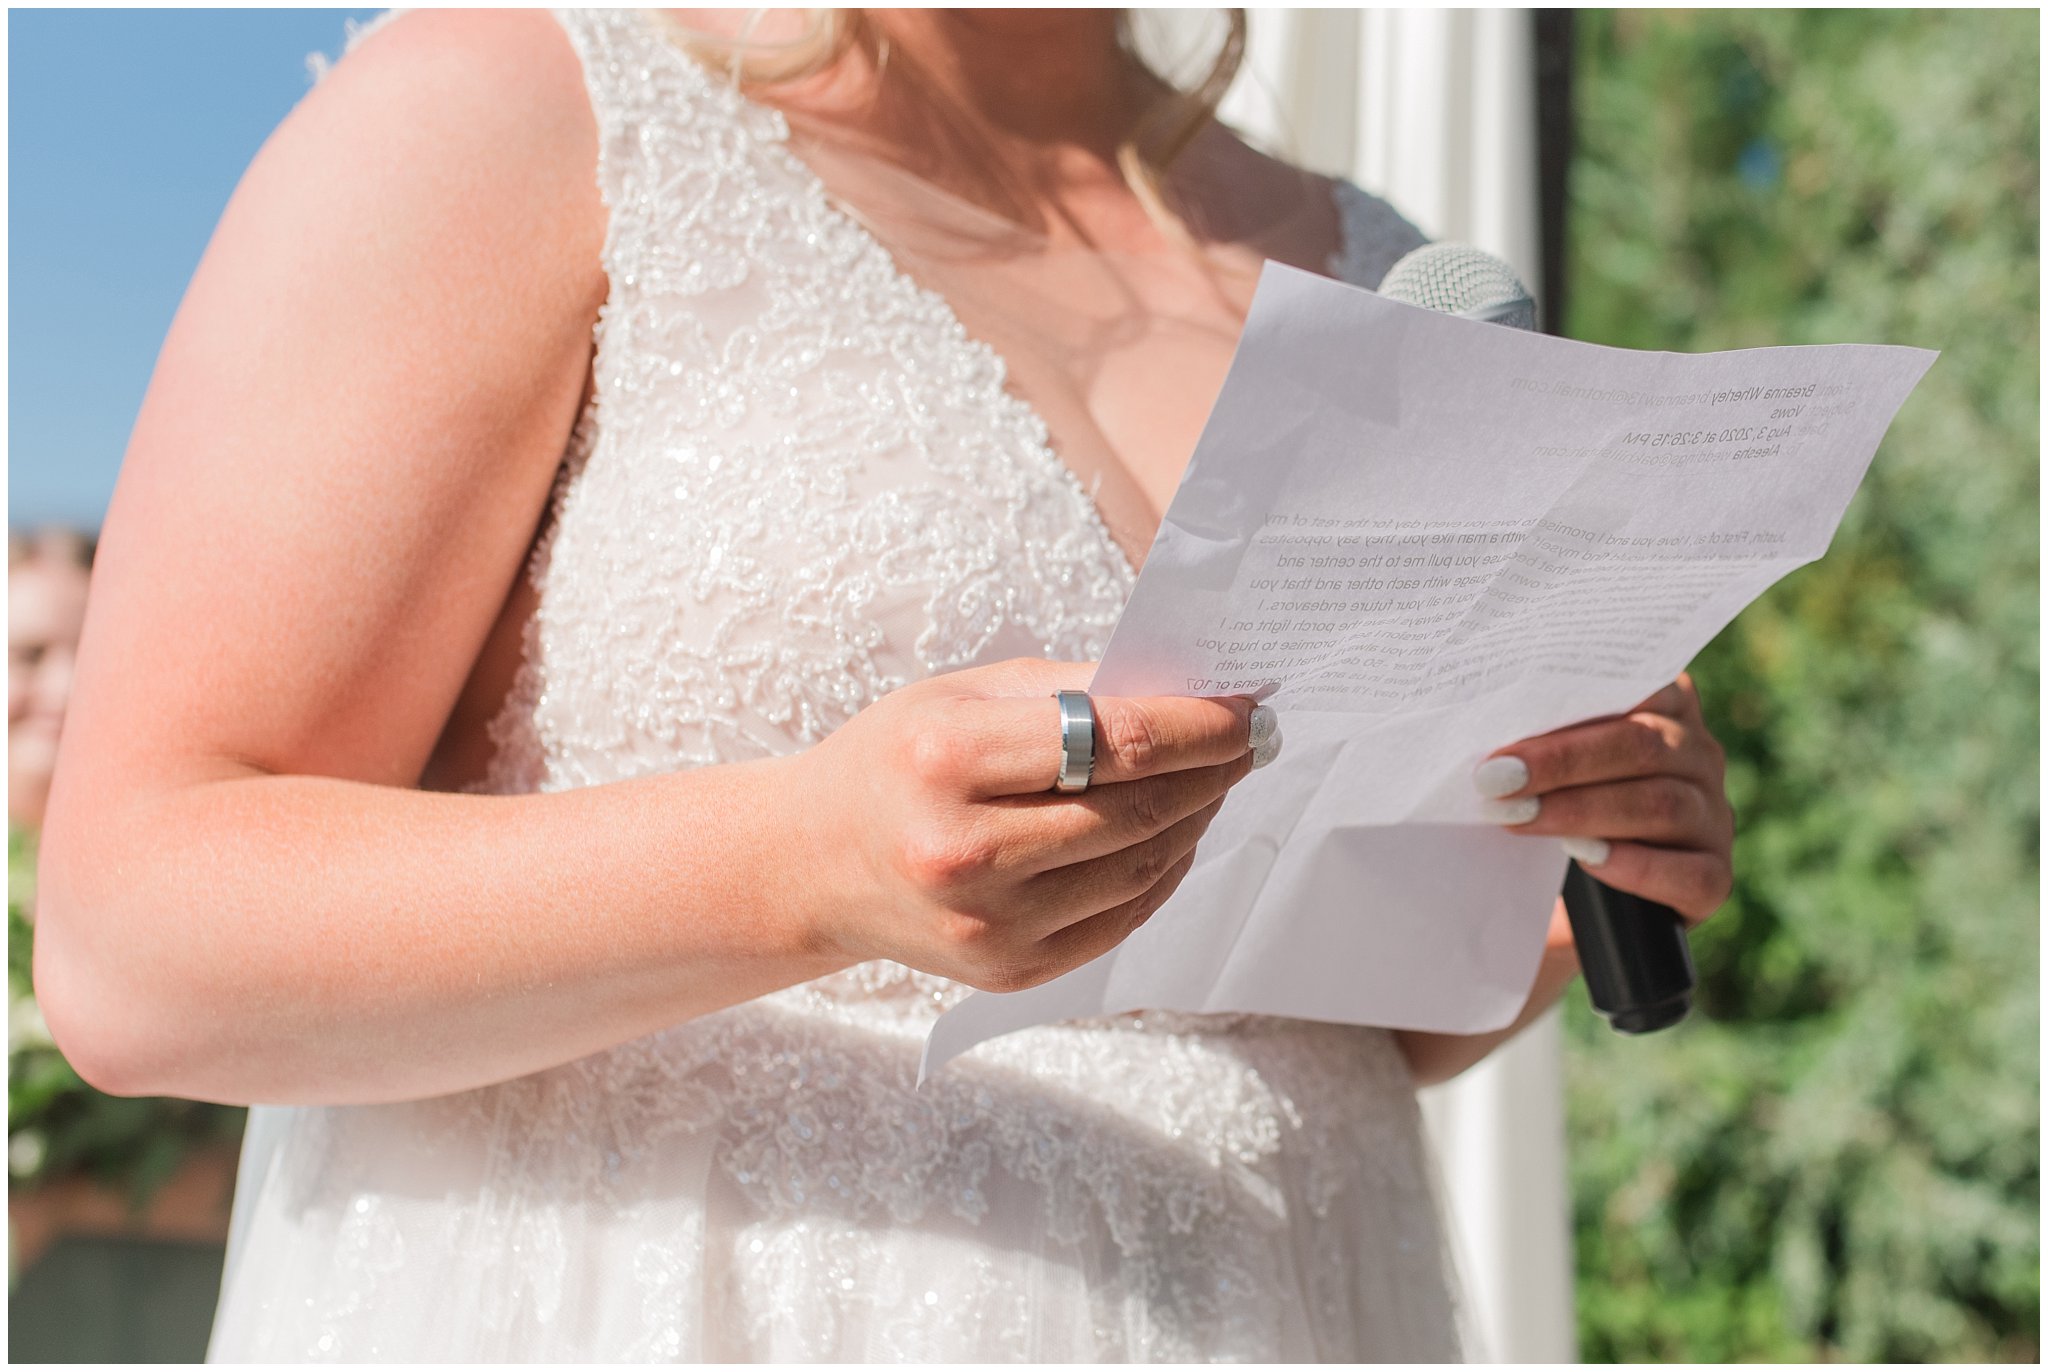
[{"x": 1420, "y": 538}]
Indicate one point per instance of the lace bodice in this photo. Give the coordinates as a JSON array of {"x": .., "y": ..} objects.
[{"x": 799, "y": 484}]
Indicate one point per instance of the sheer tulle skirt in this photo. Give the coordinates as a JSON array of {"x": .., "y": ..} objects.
[{"x": 765, "y": 1184}]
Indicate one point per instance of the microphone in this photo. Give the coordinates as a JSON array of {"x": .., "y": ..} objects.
[
  {"x": 1634, "y": 954},
  {"x": 1459, "y": 279}
]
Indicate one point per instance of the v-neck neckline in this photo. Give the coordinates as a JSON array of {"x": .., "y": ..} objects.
[{"x": 900, "y": 279}]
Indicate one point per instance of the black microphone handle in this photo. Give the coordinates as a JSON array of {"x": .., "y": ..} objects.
[{"x": 1633, "y": 952}]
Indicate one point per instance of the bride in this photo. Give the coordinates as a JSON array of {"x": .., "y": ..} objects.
[{"x": 568, "y": 699}]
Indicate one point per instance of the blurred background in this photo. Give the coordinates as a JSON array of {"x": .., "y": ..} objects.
[{"x": 1837, "y": 1156}]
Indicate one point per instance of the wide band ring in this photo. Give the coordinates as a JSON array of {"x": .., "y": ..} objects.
[{"x": 1077, "y": 742}]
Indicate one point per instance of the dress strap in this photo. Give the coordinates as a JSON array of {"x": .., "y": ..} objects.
[
  {"x": 641, "y": 80},
  {"x": 694, "y": 175},
  {"x": 1375, "y": 237}
]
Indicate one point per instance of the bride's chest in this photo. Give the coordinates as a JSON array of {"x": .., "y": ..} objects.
[
  {"x": 799, "y": 485},
  {"x": 801, "y": 481}
]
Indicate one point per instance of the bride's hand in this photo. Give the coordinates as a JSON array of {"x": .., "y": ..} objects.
[
  {"x": 932, "y": 816},
  {"x": 1639, "y": 798}
]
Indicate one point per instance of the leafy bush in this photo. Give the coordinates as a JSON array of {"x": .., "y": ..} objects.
[{"x": 1839, "y": 1156}]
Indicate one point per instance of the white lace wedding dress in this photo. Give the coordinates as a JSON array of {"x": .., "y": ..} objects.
[{"x": 801, "y": 483}]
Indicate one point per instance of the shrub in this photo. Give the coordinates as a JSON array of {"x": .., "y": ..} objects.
[{"x": 1838, "y": 1157}]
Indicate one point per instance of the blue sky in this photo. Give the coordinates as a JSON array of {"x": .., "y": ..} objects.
[{"x": 127, "y": 131}]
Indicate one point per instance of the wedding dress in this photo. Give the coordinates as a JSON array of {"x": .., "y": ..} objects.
[{"x": 802, "y": 481}]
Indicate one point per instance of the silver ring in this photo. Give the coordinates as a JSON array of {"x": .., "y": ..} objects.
[{"x": 1077, "y": 741}]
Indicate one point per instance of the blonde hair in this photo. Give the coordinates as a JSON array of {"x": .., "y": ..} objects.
[{"x": 1162, "y": 133}]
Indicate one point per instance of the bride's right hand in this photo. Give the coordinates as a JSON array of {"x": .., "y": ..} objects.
[{"x": 931, "y": 814}]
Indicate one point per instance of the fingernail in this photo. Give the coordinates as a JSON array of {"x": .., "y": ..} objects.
[
  {"x": 1264, "y": 724},
  {"x": 1587, "y": 852},
  {"x": 1265, "y": 752},
  {"x": 1501, "y": 776},
  {"x": 1514, "y": 811}
]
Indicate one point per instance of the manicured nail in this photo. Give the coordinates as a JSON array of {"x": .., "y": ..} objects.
[
  {"x": 1264, "y": 724},
  {"x": 1587, "y": 852},
  {"x": 1265, "y": 752},
  {"x": 1514, "y": 811},
  {"x": 1501, "y": 776}
]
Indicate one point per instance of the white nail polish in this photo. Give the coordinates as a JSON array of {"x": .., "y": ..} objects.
[
  {"x": 1514, "y": 811},
  {"x": 1501, "y": 776},
  {"x": 1587, "y": 852},
  {"x": 1264, "y": 724},
  {"x": 1265, "y": 752}
]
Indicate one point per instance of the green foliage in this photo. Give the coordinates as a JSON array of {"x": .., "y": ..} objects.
[
  {"x": 1839, "y": 1156},
  {"x": 56, "y": 1123}
]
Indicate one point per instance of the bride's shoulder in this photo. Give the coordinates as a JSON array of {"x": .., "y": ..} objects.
[
  {"x": 492, "y": 69},
  {"x": 469, "y": 128},
  {"x": 459, "y": 80}
]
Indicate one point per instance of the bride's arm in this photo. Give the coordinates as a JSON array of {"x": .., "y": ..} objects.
[
  {"x": 333, "y": 480},
  {"x": 347, "y": 444}
]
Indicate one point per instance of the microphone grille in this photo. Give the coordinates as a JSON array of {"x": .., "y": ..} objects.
[{"x": 1459, "y": 279}]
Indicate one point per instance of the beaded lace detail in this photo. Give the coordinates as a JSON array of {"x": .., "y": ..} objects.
[
  {"x": 799, "y": 485},
  {"x": 822, "y": 448},
  {"x": 823, "y": 445}
]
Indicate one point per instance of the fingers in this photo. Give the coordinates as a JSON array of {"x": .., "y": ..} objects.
[
  {"x": 1638, "y": 799},
  {"x": 1014, "y": 746},
  {"x": 1088, "y": 939},
  {"x": 989, "y": 876},
  {"x": 1643, "y": 744},
  {"x": 1661, "y": 809},
  {"x": 1086, "y": 888},
  {"x": 1046, "y": 832},
  {"x": 1694, "y": 883}
]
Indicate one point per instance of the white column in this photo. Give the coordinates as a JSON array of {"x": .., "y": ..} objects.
[{"x": 1499, "y": 1135}]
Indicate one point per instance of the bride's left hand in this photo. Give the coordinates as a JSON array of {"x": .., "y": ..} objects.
[{"x": 1640, "y": 800}]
